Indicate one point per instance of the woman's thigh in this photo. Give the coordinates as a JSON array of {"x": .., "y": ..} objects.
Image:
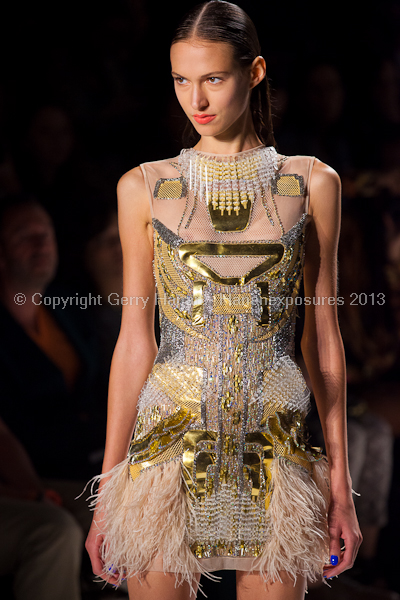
[
  {"x": 160, "y": 586},
  {"x": 252, "y": 586}
]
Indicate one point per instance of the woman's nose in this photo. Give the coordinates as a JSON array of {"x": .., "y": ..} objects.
[{"x": 199, "y": 98}]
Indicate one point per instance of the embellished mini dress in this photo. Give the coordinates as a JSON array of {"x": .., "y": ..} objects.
[{"x": 220, "y": 473}]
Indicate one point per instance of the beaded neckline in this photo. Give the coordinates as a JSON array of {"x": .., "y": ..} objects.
[
  {"x": 228, "y": 156},
  {"x": 229, "y": 184}
]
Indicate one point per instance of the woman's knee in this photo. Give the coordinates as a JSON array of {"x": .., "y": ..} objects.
[
  {"x": 252, "y": 585},
  {"x": 156, "y": 584}
]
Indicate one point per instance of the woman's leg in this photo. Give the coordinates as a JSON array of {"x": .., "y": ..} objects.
[
  {"x": 160, "y": 586},
  {"x": 252, "y": 586}
]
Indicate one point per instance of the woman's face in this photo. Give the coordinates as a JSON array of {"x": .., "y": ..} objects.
[{"x": 210, "y": 86}]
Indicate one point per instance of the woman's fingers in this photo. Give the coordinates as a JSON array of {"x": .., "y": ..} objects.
[
  {"x": 342, "y": 560},
  {"x": 93, "y": 545},
  {"x": 335, "y": 553},
  {"x": 352, "y": 542},
  {"x": 335, "y": 548}
]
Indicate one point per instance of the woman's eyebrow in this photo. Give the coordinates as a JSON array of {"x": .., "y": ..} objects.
[
  {"x": 216, "y": 73},
  {"x": 213, "y": 73}
]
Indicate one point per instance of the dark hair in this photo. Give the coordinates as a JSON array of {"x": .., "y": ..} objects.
[{"x": 218, "y": 21}]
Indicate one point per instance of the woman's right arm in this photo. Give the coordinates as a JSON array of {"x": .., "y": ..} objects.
[{"x": 136, "y": 347}]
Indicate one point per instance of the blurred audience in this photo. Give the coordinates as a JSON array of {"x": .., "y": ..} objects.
[
  {"x": 49, "y": 367},
  {"x": 47, "y": 357},
  {"x": 40, "y": 542},
  {"x": 95, "y": 267}
]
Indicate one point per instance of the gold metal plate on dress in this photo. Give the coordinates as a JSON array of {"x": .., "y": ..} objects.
[
  {"x": 293, "y": 278},
  {"x": 163, "y": 443},
  {"x": 161, "y": 436},
  {"x": 171, "y": 439},
  {"x": 179, "y": 318},
  {"x": 170, "y": 189},
  {"x": 173, "y": 452},
  {"x": 188, "y": 251},
  {"x": 200, "y": 456},
  {"x": 237, "y": 220},
  {"x": 197, "y": 309},
  {"x": 287, "y": 432},
  {"x": 288, "y": 185},
  {"x": 203, "y": 460},
  {"x": 258, "y": 454}
]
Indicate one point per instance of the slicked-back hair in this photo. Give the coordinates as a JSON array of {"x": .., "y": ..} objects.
[{"x": 218, "y": 21}]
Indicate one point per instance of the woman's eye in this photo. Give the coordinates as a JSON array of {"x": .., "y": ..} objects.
[
  {"x": 180, "y": 80},
  {"x": 214, "y": 79}
]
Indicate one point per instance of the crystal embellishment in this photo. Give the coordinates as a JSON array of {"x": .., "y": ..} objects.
[{"x": 229, "y": 184}]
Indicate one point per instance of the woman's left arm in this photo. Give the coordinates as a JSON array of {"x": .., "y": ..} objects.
[{"x": 323, "y": 354}]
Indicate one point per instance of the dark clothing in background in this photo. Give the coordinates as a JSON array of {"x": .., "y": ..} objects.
[{"x": 60, "y": 428}]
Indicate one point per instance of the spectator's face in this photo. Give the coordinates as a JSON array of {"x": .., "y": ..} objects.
[{"x": 28, "y": 249}]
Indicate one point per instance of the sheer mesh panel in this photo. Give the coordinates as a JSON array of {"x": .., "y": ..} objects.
[
  {"x": 231, "y": 266},
  {"x": 271, "y": 216}
]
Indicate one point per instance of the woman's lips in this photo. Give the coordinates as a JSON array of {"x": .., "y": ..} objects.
[{"x": 202, "y": 119}]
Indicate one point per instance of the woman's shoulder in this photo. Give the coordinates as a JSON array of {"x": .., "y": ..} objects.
[
  {"x": 160, "y": 162},
  {"x": 323, "y": 174},
  {"x": 132, "y": 178},
  {"x": 146, "y": 174},
  {"x": 315, "y": 173},
  {"x": 137, "y": 175},
  {"x": 165, "y": 167},
  {"x": 312, "y": 163}
]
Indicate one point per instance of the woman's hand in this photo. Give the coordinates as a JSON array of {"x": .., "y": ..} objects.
[
  {"x": 93, "y": 545},
  {"x": 343, "y": 524}
]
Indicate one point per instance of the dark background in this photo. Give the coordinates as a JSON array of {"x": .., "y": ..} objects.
[{"x": 334, "y": 70}]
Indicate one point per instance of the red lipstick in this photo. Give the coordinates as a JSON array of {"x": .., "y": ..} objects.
[{"x": 203, "y": 119}]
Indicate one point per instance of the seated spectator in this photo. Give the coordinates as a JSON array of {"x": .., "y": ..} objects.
[
  {"x": 47, "y": 359},
  {"x": 40, "y": 542}
]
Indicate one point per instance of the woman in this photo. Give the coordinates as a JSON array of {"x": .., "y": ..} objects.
[{"x": 219, "y": 474}]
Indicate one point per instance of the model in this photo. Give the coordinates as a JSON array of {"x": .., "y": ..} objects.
[{"x": 219, "y": 473}]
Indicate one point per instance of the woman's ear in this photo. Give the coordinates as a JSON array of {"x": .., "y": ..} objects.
[{"x": 257, "y": 71}]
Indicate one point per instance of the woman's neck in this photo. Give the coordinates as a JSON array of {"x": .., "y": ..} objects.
[{"x": 240, "y": 137}]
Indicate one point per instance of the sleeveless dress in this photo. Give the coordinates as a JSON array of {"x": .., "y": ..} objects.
[{"x": 220, "y": 474}]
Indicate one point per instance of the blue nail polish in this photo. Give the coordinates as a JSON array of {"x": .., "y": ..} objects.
[{"x": 334, "y": 560}]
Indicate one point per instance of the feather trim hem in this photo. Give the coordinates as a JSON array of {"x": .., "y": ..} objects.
[
  {"x": 136, "y": 532},
  {"x": 148, "y": 520},
  {"x": 298, "y": 540}
]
